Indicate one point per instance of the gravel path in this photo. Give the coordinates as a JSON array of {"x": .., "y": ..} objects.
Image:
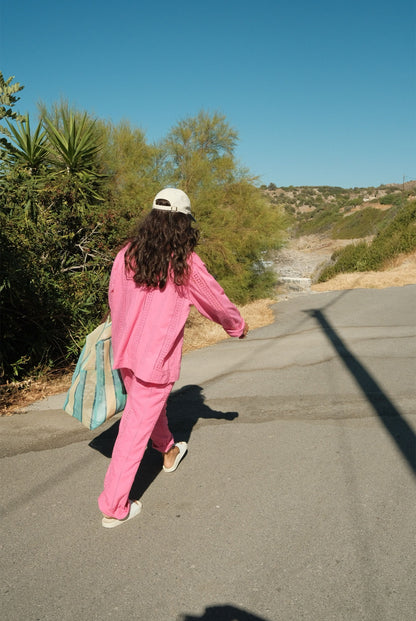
[{"x": 301, "y": 260}]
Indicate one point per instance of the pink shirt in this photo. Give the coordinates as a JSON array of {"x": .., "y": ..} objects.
[{"x": 148, "y": 324}]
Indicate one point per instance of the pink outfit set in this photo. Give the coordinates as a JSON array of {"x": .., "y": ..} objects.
[{"x": 147, "y": 334}]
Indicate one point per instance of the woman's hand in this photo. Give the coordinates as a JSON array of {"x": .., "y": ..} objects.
[{"x": 246, "y": 328}]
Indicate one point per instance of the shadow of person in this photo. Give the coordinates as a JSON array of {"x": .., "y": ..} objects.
[
  {"x": 184, "y": 408},
  {"x": 104, "y": 442},
  {"x": 150, "y": 465},
  {"x": 223, "y": 613}
]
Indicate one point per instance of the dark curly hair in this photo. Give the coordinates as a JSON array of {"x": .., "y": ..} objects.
[{"x": 160, "y": 248}]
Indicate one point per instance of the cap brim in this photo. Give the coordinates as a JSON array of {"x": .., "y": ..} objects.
[{"x": 173, "y": 210}]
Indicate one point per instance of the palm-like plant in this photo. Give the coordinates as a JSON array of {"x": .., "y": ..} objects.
[
  {"x": 26, "y": 149},
  {"x": 23, "y": 157},
  {"x": 74, "y": 146}
]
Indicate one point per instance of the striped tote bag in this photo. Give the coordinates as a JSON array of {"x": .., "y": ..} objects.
[{"x": 97, "y": 391}]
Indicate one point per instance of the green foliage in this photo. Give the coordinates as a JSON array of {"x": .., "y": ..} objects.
[
  {"x": 327, "y": 209},
  {"x": 134, "y": 171},
  {"x": 53, "y": 281},
  {"x": 359, "y": 224},
  {"x": 55, "y": 257},
  {"x": 8, "y": 97},
  {"x": 71, "y": 191},
  {"x": 74, "y": 147},
  {"x": 237, "y": 223},
  {"x": 19, "y": 192},
  {"x": 26, "y": 149},
  {"x": 395, "y": 198},
  {"x": 200, "y": 151},
  {"x": 73, "y": 152},
  {"x": 398, "y": 237},
  {"x": 8, "y": 100},
  {"x": 349, "y": 259},
  {"x": 238, "y": 226},
  {"x": 322, "y": 221},
  {"x": 69, "y": 150}
]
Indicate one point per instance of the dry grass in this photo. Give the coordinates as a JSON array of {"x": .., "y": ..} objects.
[
  {"x": 199, "y": 332},
  {"x": 18, "y": 395},
  {"x": 397, "y": 273}
]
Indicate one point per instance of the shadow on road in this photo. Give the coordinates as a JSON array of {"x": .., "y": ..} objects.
[
  {"x": 400, "y": 431},
  {"x": 223, "y": 613},
  {"x": 186, "y": 406}
]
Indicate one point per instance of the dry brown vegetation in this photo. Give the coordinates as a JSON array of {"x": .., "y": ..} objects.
[
  {"x": 397, "y": 273},
  {"x": 17, "y": 395},
  {"x": 200, "y": 332}
]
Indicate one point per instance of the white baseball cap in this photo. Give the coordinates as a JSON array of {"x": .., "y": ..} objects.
[{"x": 177, "y": 199}]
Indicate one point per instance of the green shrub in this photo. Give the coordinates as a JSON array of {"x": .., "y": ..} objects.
[
  {"x": 60, "y": 229},
  {"x": 398, "y": 237},
  {"x": 396, "y": 198},
  {"x": 53, "y": 289},
  {"x": 359, "y": 224},
  {"x": 321, "y": 221}
]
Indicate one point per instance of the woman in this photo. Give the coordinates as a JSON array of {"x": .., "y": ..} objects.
[{"x": 155, "y": 280}]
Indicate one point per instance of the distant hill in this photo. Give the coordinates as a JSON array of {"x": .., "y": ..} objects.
[
  {"x": 339, "y": 212},
  {"x": 380, "y": 222}
]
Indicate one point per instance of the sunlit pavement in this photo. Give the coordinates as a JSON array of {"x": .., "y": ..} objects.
[{"x": 296, "y": 500}]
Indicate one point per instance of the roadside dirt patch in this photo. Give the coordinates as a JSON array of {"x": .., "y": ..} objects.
[
  {"x": 201, "y": 332},
  {"x": 18, "y": 395}
]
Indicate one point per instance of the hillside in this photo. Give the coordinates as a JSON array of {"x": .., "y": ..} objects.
[
  {"x": 336, "y": 231},
  {"x": 337, "y": 212}
]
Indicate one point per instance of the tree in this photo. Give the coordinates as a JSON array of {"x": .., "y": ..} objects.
[
  {"x": 238, "y": 225},
  {"x": 133, "y": 170},
  {"x": 200, "y": 150},
  {"x": 69, "y": 193},
  {"x": 8, "y": 97},
  {"x": 7, "y": 100}
]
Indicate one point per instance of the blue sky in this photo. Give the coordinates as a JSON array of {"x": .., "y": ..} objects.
[{"x": 320, "y": 93}]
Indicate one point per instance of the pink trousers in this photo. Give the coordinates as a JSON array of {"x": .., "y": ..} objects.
[{"x": 144, "y": 417}]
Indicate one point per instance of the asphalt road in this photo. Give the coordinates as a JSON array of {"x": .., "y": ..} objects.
[{"x": 296, "y": 501}]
